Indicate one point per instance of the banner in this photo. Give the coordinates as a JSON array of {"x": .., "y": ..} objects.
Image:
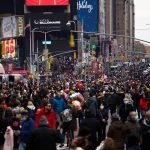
[
  {"x": 47, "y": 2},
  {"x": 95, "y": 67},
  {"x": 88, "y": 14}
]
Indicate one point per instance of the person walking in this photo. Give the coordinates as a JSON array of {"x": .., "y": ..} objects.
[
  {"x": 43, "y": 138},
  {"x": 145, "y": 127},
  {"x": 116, "y": 132},
  {"x": 48, "y": 112},
  {"x": 132, "y": 126},
  {"x": 93, "y": 125},
  {"x": 27, "y": 126}
]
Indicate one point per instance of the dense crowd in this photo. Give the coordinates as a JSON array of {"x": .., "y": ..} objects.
[{"x": 97, "y": 114}]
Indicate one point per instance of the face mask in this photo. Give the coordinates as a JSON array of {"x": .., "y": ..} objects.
[{"x": 23, "y": 118}]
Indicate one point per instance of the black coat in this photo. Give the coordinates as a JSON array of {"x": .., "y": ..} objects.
[
  {"x": 145, "y": 136},
  {"x": 43, "y": 138},
  {"x": 93, "y": 125}
]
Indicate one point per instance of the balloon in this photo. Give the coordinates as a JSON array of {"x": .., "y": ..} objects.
[
  {"x": 79, "y": 85},
  {"x": 76, "y": 105},
  {"x": 133, "y": 83}
]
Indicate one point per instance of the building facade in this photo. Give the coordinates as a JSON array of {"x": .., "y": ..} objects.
[{"x": 120, "y": 21}]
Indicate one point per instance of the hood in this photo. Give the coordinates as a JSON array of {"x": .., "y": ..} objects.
[
  {"x": 93, "y": 98},
  {"x": 145, "y": 123}
]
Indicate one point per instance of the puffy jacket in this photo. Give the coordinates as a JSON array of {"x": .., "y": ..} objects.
[
  {"x": 51, "y": 118},
  {"x": 143, "y": 104}
]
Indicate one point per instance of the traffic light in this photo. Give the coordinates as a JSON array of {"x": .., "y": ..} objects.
[
  {"x": 72, "y": 43},
  {"x": 93, "y": 47}
]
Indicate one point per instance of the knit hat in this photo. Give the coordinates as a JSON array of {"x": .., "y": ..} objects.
[
  {"x": 43, "y": 121},
  {"x": 115, "y": 116}
]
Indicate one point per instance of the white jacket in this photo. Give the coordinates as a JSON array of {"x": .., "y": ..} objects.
[{"x": 9, "y": 139}]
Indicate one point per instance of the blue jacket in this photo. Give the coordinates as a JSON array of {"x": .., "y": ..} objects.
[
  {"x": 27, "y": 127},
  {"x": 58, "y": 105}
]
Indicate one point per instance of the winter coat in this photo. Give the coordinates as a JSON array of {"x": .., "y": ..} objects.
[
  {"x": 116, "y": 132},
  {"x": 43, "y": 138},
  {"x": 134, "y": 148},
  {"x": 143, "y": 104},
  {"x": 124, "y": 111},
  {"x": 27, "y": 126},
  {"x": 145, "y": 127},
  {"x": 31, "y": 111},
  {"x": 93, "y": 125},
  {"x": 132, "y": 127},
  {"x": 16, "y": 129},
  {"x": 9, "y": 140},
  {"x": 92, "y": 105},
  {"x": 58, "y": 105},
  {"x": 51, "y": 117}
]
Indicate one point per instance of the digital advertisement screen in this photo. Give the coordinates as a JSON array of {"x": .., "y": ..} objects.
[{"x": 47, "y": 2}]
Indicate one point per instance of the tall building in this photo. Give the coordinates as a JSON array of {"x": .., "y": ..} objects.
[{"x": 120, "y": 21}]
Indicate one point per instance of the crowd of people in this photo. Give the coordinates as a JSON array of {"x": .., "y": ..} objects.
[{"x": 97, "y": 114}]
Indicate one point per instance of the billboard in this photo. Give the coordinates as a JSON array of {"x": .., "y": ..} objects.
[
  {"x": 48, "y": 22},
  {"x": 12, "y": 26},
  {"x": 88, "y": 14},
  {"x": 47, "y": 2},
  {"x": 9, "y": 47}
]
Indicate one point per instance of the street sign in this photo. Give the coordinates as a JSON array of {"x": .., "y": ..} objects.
[{"x": 47, "y": 42}]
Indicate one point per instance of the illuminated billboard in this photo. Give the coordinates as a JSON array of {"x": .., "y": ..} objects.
[{"x": 47, "y": 2}]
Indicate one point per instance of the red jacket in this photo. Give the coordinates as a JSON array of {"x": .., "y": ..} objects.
[
  {"x": 51, "y": 118},
  {"x": 143, "y": 104}
]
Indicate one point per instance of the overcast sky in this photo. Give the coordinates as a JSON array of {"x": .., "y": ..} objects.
[{"x": 142, "y": 17}]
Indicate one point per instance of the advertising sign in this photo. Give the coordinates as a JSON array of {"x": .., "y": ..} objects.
[
  {"x": 47, "y": 2},
  {"x": 49, "y": 21},
  {"x": 10, "y": 67},
  {"x": 9, "y": 46},
  {"x": 12, "y": 26},
  {"x": 20, "y": 25},
  {"x": 8, "y": 27},
  {"x": 88, "y": 14}
]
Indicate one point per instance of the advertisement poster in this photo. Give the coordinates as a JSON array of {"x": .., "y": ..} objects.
[
  {"x": 10, "y": 46},
  {"x": 47, "y": 2},
  {"x": 12, "y": 26},
  {"x": 10, "y": 67},
  {"x": 88, "y": 14},
  {"x": 7, "y": 27}
]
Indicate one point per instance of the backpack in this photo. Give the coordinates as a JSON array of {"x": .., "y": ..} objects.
[{"x": 67, "y": 115}]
